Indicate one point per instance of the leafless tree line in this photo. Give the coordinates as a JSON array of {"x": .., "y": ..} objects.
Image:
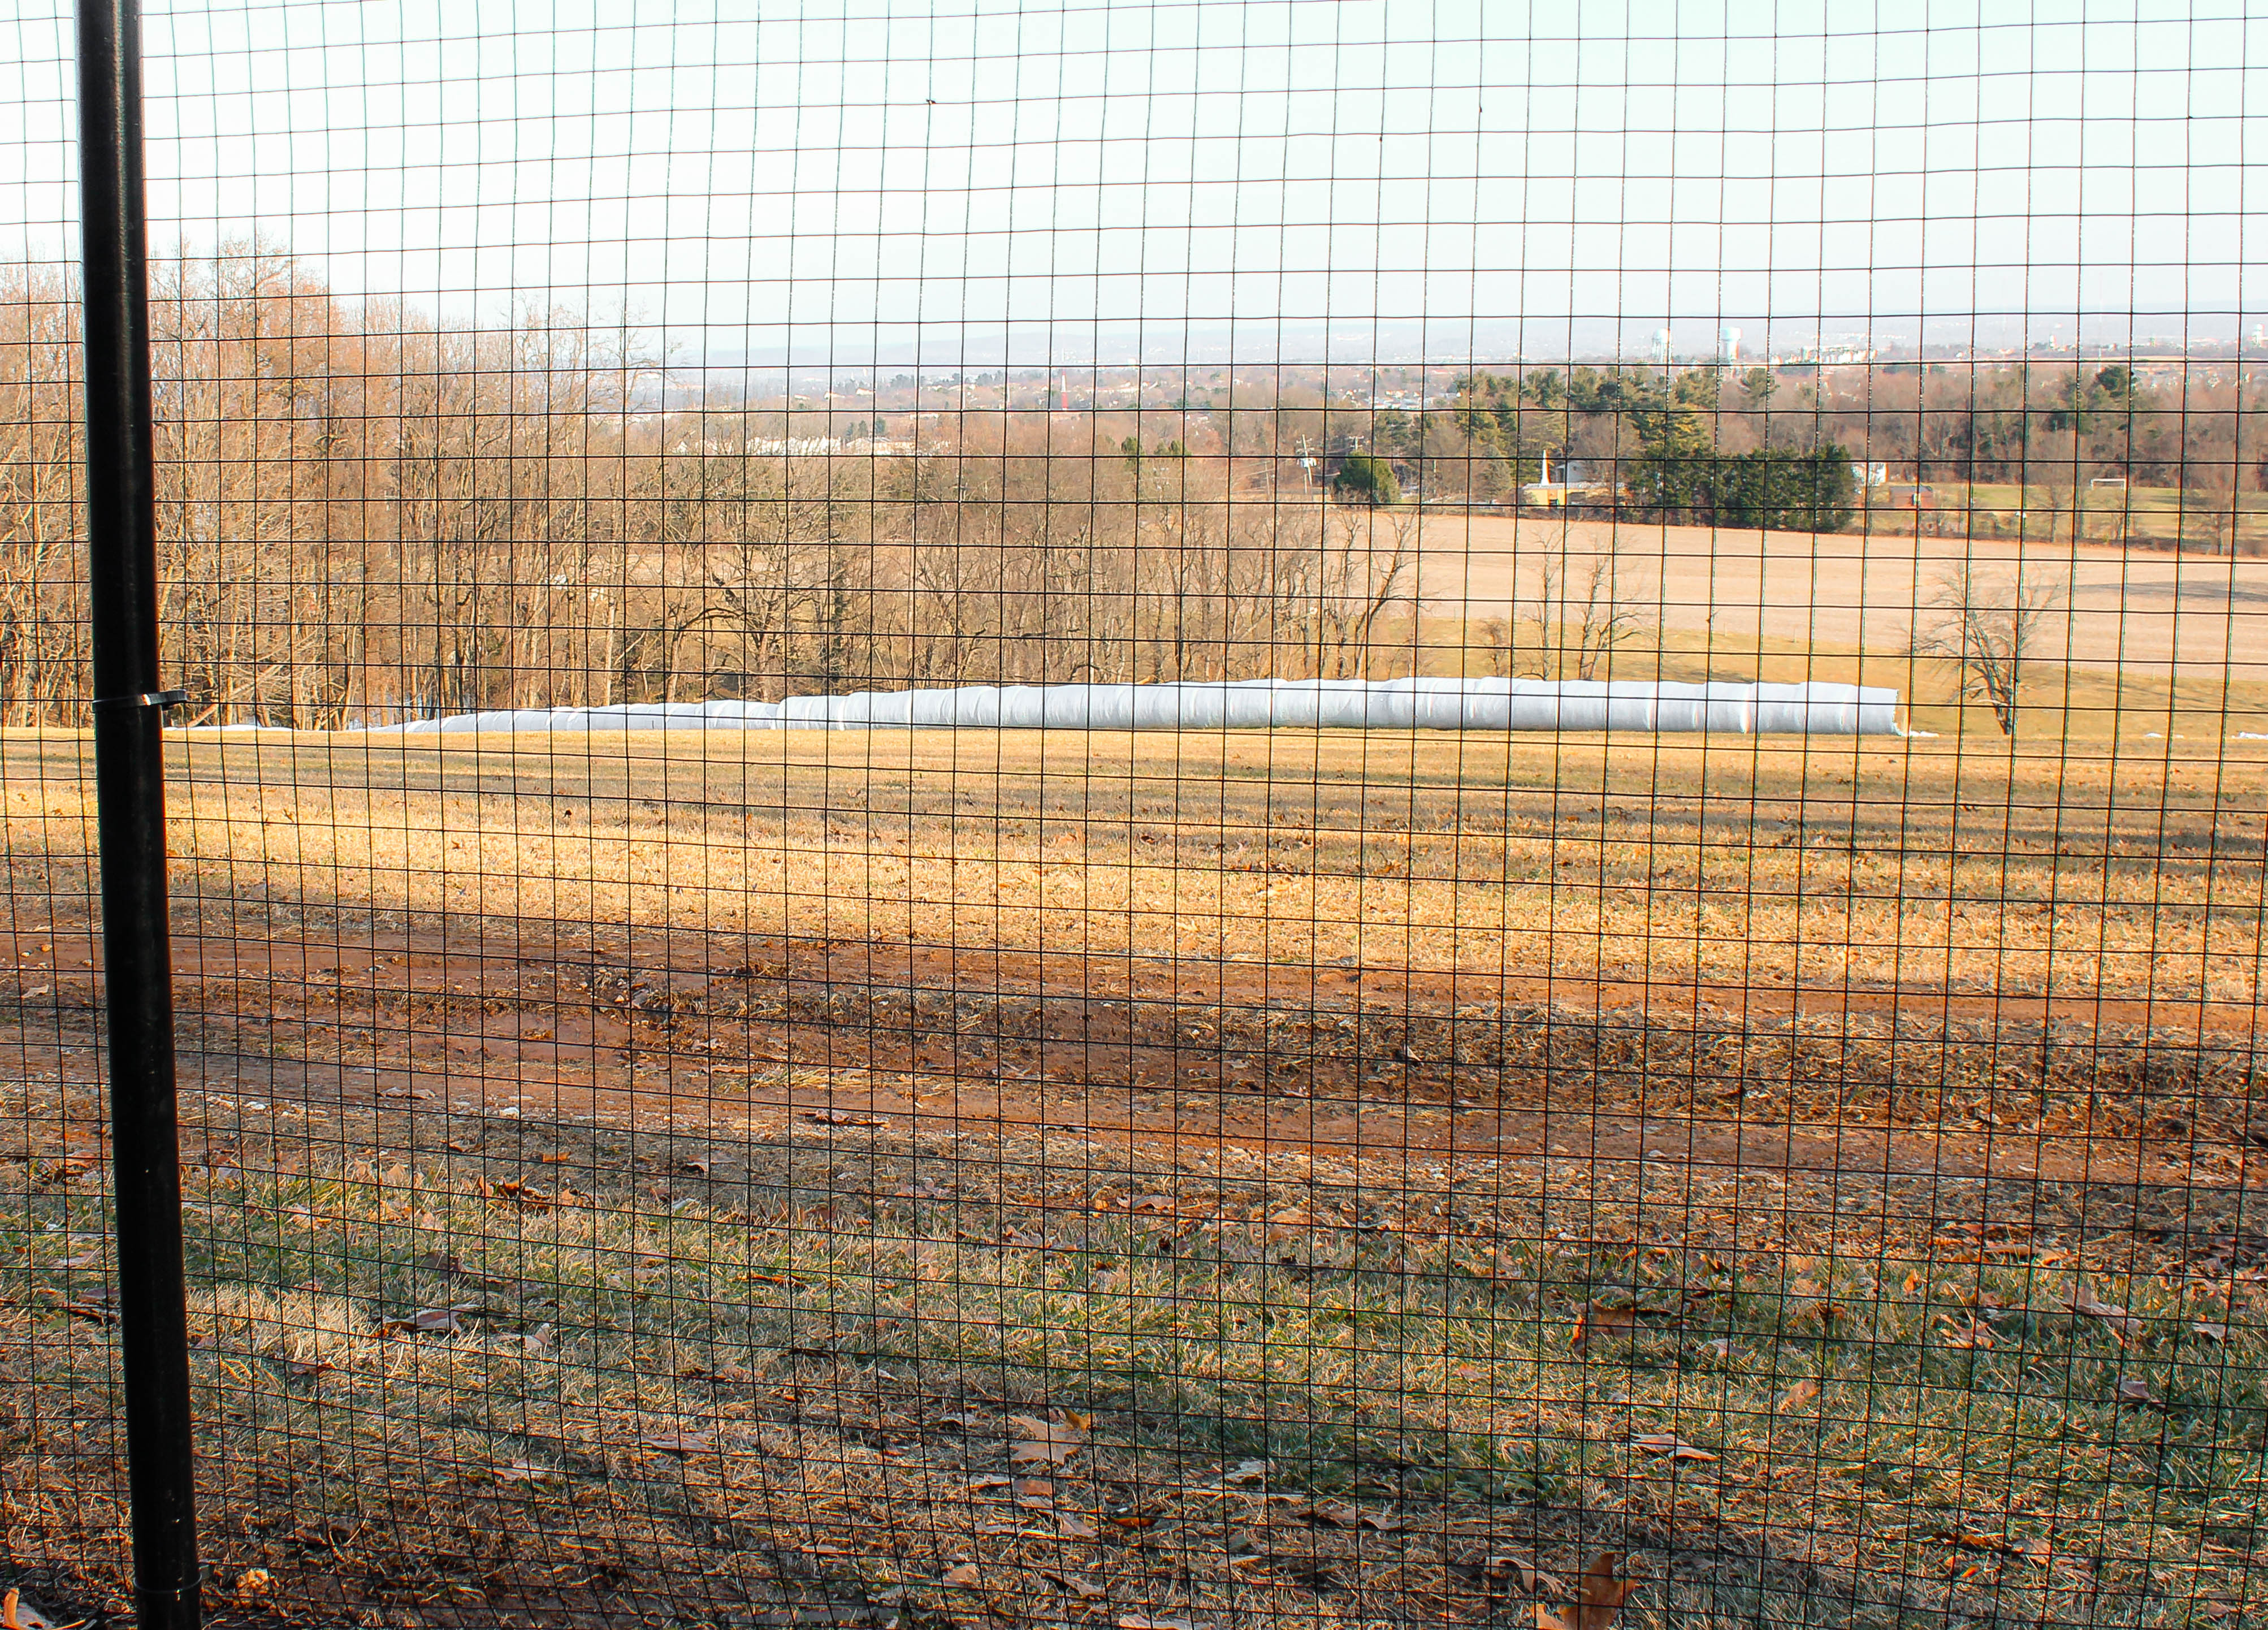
[{"x": 365, "y": 515}]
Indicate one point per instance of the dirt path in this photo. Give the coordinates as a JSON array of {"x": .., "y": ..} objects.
[{"x": 1274, "y": 1062}]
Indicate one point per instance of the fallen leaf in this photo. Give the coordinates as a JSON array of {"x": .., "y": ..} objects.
[
  {"x": 2123, "y": 1324},
  {"x": 525, "y": 1471},
  {"x": 2133, "y": 1391},
  {"x": 1154, "y": 1203},
  {"x": 990, "y": 1479},
  {"x": 2210, "y": 1331},
  {"x": 300, "y": 1369},
  {"x": 1246, "y": 1471},
  {"x": 1596, "y": 1320},
  {"x": 1970, "y": 1337},
  {"x": 1670, "y": 1444},
  {"x": 1329, "y": 1513},
  {"x": 18, "y": 1614},
  {"x": 1035, "y": 1488},
  {"x": 1381, "y": 1521},
  {"x": 1797, "y": 1396},
  {"x": 1045, "y": 1443},
  {"x": 431, "y": 1321},
  {"x": 1598, "y": 1598},
  {"x": 1085, "y": 1589},
  {"x": 1072, "y": 1527},
  {"x": 963, "y": 1574}
]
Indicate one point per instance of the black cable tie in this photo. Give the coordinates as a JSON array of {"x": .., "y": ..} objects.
[{"x": 147, "y": 698}]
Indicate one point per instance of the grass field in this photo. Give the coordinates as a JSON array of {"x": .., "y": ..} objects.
[
  {"x": 2129, "y": 621},
  {"x": 766, "y": 1123},
  {"x": 873, "y": 1378},
  {"x": 1954, "y": 866}
]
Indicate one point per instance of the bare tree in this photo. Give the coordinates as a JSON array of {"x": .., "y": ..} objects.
[
  {"x": 1580, "y": 613},
  {"x": 1363, "y": 576},
  {"x": 1987, "y": 626}
]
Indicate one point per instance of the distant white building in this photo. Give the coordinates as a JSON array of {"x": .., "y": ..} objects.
[
  {"x": 1661, "y": 342},
  {"x": 1728, "y": 344}
]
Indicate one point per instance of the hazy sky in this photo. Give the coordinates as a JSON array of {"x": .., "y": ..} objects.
[{"x": 741, "y": 171}]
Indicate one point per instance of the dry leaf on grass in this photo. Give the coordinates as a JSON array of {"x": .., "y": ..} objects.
[
  {"x": 18, "y": 1614},
  {"x": 1072, "y": 1527},
  {"x": 431, "y": 1321},
  {"x": 1329, "y": 1513},
  {"x": 1598, "y": 1598},
  {"x": 676, "y": 1442},
  {"x": 2210, "y": 1331},
  {"x": 1972, "y": 1335},
  {"x": 1247, "y": 1473},
  {"x": 1046, "y": 1442},
  {"x": 962, "y": 1575},
  {"x": 2134, "y": 1390},
  {"x": 1085, "y": 1589},
  {"x": 1592, "y": 1319},
  {"x": 1670, "y": 1444},
  {"x": 525, "y": 1471},
  {"x": 2122, "y": 1324},
  {"x": 1797, "y": 1396}
]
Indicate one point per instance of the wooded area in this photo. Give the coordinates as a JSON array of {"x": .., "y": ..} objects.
[{"x": 367, "y": 515}]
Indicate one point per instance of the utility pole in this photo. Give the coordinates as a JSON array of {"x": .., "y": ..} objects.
[{"x": 130, "y": 794}]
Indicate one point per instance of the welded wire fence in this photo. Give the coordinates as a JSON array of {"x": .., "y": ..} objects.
[{"x": 1167, "y": 817}]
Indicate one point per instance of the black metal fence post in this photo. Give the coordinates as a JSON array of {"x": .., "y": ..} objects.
[{"x": 131, "y": 792}]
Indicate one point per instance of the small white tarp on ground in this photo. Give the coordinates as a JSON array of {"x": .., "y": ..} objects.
[{"x": 1809, "y": 709}]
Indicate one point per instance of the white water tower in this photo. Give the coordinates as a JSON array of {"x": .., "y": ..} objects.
[{"x": 1728, "y": 344}]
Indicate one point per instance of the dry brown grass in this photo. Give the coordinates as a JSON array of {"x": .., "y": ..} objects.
[{"x": 1955, "y": 864}]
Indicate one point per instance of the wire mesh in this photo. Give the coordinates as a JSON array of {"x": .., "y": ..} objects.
[{"x": 1167, "y": 816}]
